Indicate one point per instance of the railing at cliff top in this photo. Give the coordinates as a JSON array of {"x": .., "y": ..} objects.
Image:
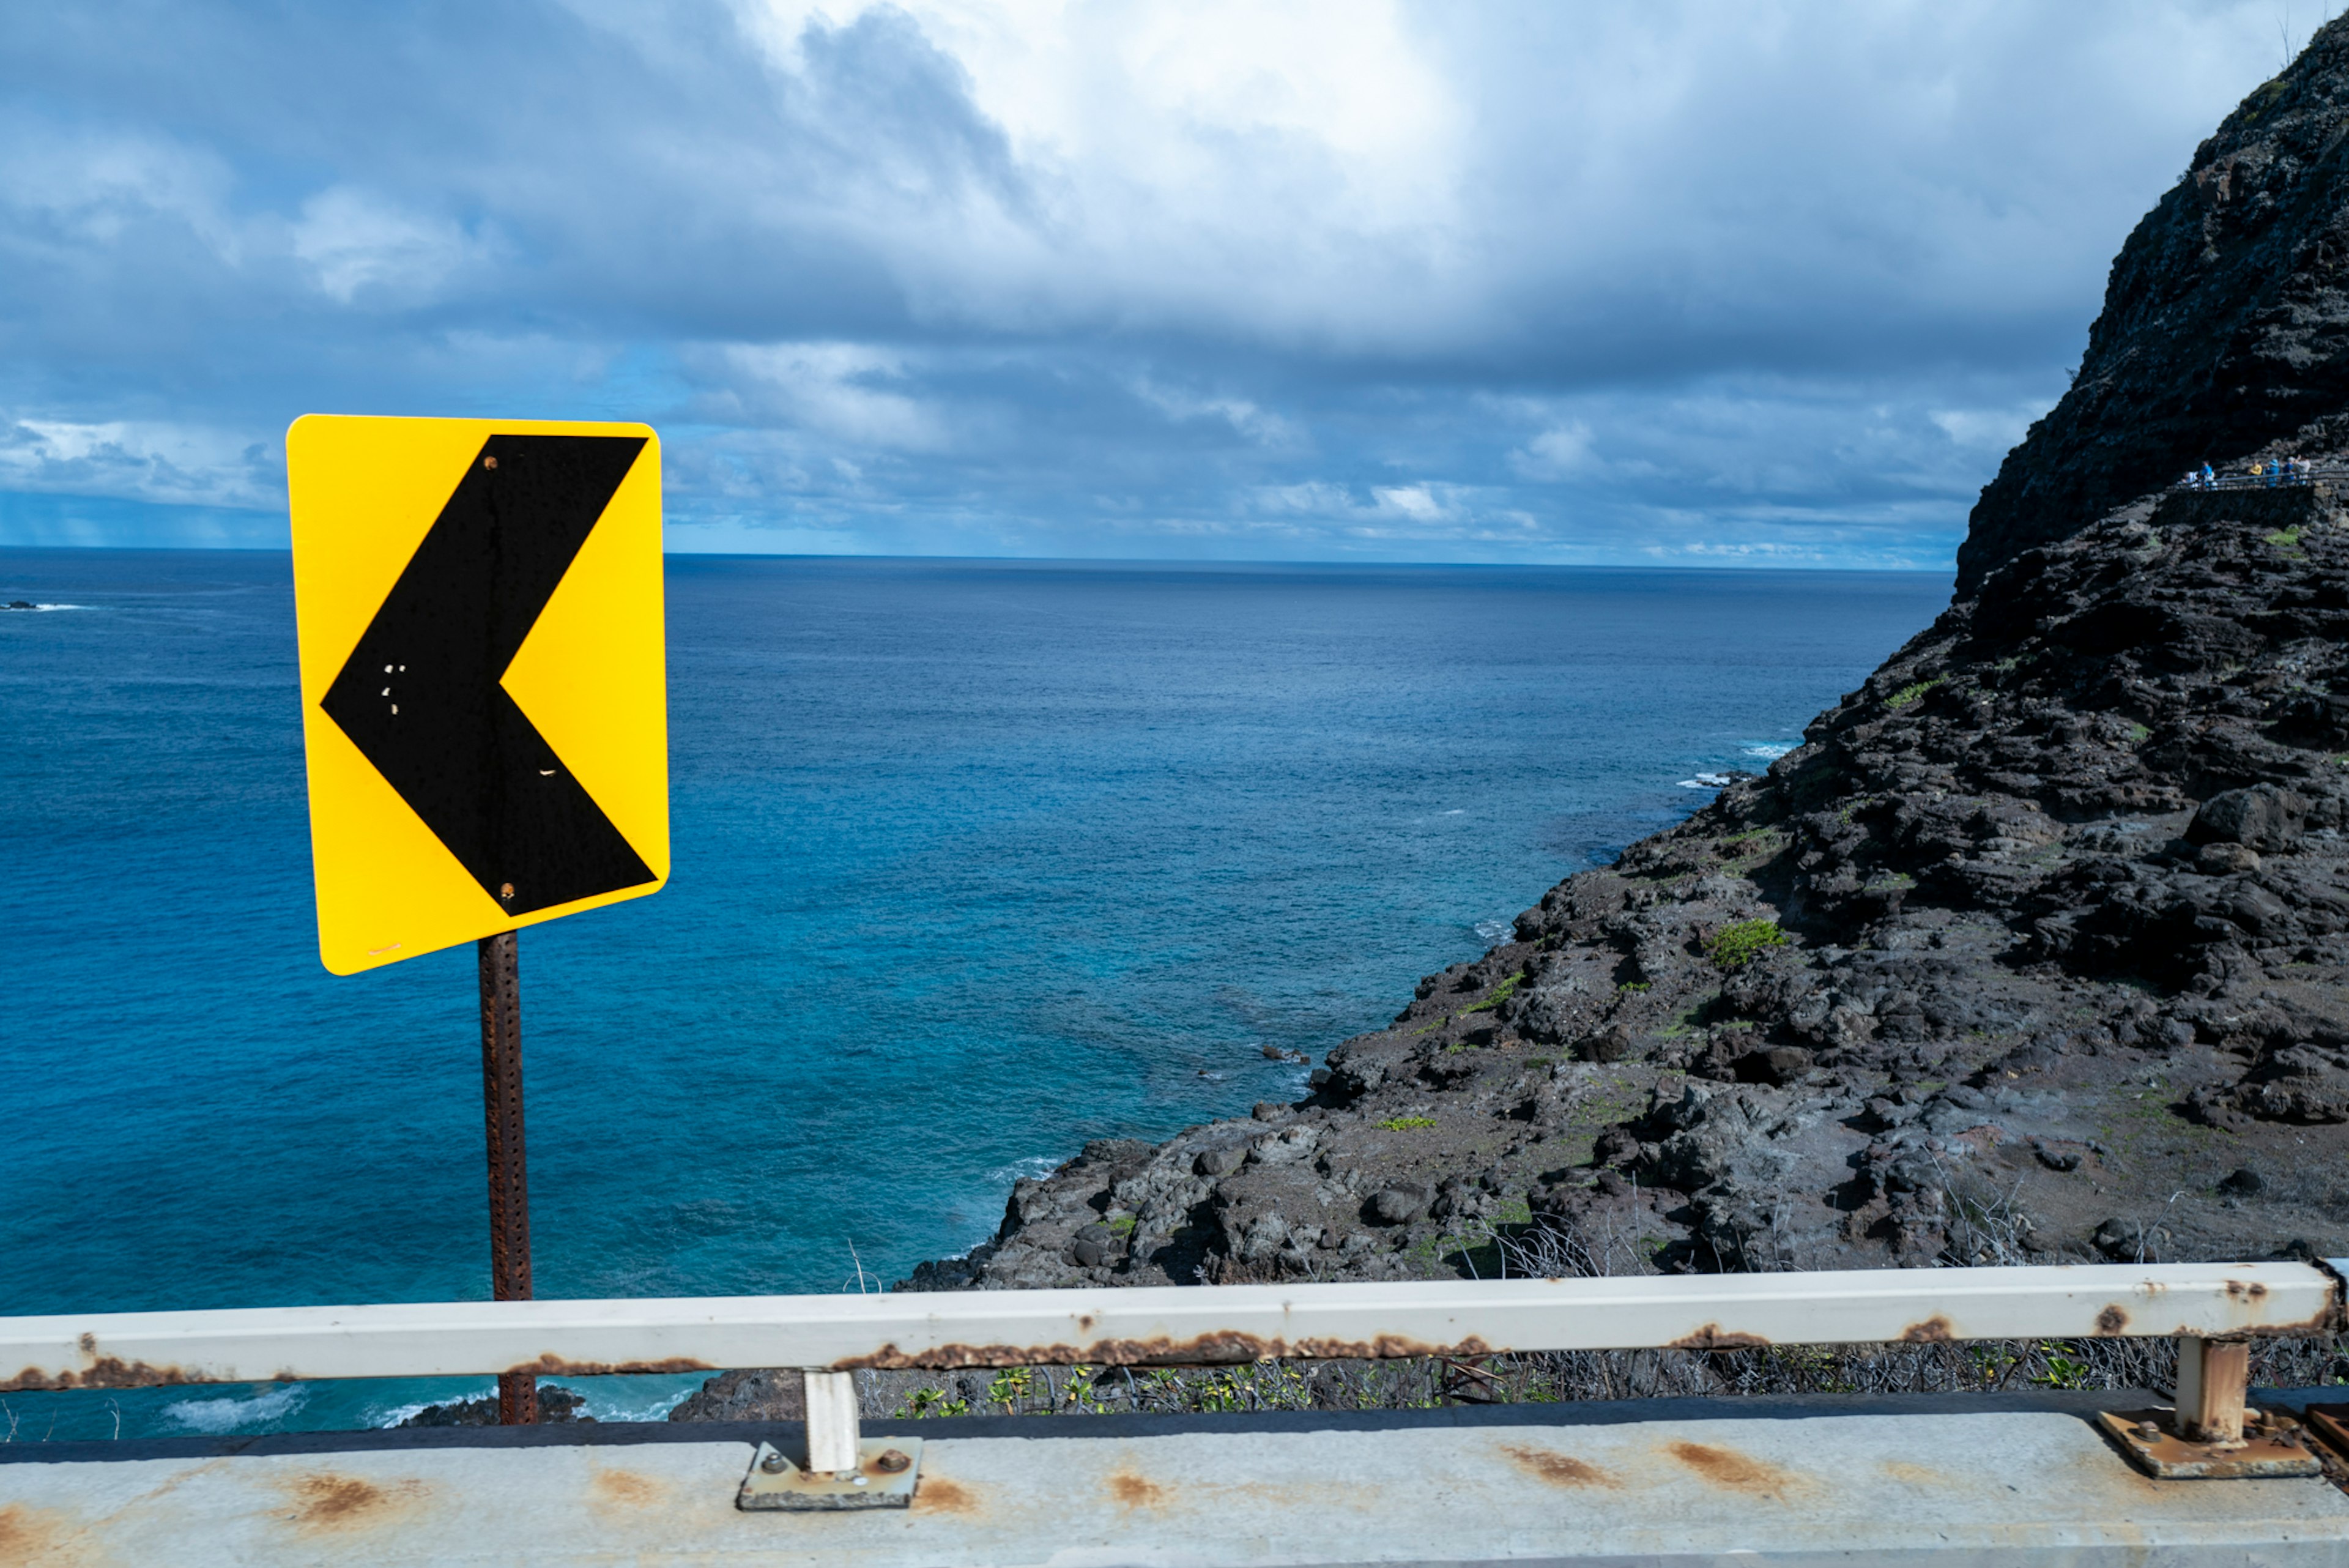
[
  {"x": 2212, "y": 1309},
  {"x": 1166, "y": 1325},
  {"x": 2307, "y": 475}
]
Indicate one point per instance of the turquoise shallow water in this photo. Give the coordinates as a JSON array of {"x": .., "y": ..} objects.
[{"x": 973, "y": 861}]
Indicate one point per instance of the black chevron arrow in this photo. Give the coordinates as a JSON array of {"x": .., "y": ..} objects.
[{"x": 420, "y": 694}]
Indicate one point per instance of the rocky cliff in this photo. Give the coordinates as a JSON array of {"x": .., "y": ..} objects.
[
  {"x": 2032, "y": 951},
  {"x": 2223, "y": 327}
]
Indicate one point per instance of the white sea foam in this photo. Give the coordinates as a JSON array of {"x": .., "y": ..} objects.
[
  {"x": 392, "y": 1416},
  {"x": 1457, "y": 811},
  {"x": 1706, "y": 781},
  {"x": 228, "y": 1415},
  {"x": 1771, "y": 750},
  {"x": 398, "y": 1413},
  {"x": 645, "y": 1405},
  {"x": 1494, "y": 930},
  {"x": 1035, "y": 1168}
]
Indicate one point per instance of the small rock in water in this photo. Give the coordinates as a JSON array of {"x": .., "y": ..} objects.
[{"x": 555, "y": 1404}]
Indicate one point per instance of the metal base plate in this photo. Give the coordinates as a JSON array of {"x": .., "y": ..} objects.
[
  {"x": 789, "y": 1486},
  {"x": 2329, "y": 1424},
  {"x": 2273, "y": 1450}
]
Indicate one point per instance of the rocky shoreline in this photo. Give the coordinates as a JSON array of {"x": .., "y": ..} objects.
[
  {"x": 2029, "y": 952},
  {"x": 2032, "y": 949}
]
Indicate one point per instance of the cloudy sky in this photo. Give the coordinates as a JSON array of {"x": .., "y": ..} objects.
[{"x": 1684, "y": 281}]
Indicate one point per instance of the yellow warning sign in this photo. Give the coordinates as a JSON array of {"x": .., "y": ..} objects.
[{"x": 484, "y": 707}]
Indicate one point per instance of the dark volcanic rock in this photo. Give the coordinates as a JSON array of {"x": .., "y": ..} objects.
[
  {"x": 2032, "y": 949},
  {"x": 2223, "y": 327},
  {"x": 764, "y": 1393},
  {"x": 555, "y": 1404}
]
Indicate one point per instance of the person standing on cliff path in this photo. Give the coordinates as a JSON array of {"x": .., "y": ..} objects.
[{"x": 2210, "y": 477}]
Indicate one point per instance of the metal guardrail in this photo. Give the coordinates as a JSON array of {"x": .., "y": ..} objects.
[
  {"x": 2211, "y": 1309},
  {"x": 2301, "y": 478},
  {"x": 1165, "y": 1325}
]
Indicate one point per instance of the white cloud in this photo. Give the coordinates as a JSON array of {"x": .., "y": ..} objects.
[
  {"x": 1425, "y": 509},
  {"x": 1255, "y": 424},
  {"x": 1340, "y": 275},
  {"x": 1555, "y": 452},
  {"x": 1212, "y": 162},
  {"x": 1416, "y": 502},
  {"x": 356, "y": 241},
  {"x": 841, "y": 389},
  {"x": 99, "y": 187},
  {"x": 188, "y": 465},
  {"x": 1992, "y": 430}
]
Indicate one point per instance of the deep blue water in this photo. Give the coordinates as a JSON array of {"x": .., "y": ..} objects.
[{"x": 973, "y": 862}]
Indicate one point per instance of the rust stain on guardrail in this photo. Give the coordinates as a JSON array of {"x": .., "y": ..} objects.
[
  {"x": 1214, "y": 1348},
  {"x": 1739, "y": 1472},
  {"x": 329, "y": 1502},
  {"x": 936, "y": 1494},
  {"x": 108, "y": 1372},
  {"x": 1559, "y": 1470},
  {"x": 552, "y": 1366},
  {"x": 1713, "y": 1337},
  {"x": 1133, "y": 1489}
]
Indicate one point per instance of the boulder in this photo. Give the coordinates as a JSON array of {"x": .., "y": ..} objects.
[
  {"x": 1398, "y": 1205},
  {"x": 2264, "y": 817}
]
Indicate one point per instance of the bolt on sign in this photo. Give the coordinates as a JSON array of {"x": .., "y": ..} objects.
[{"x": 484, "y": 702}]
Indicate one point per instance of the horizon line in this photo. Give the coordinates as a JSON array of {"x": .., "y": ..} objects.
[{"x": 1109, "y": 561}]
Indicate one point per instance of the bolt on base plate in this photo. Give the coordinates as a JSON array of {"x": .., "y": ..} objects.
[
  {"x": 2150, "y": 1439},
  {"x": 885, "y": 1474}
]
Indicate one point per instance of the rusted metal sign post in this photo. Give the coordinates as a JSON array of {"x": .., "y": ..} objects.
[
  {"x": 485, "y": 714},
  {"x": 509, "y": 1163}
]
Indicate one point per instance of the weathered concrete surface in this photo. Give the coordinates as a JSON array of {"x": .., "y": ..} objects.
[{"x": 1978, "y": 1486}]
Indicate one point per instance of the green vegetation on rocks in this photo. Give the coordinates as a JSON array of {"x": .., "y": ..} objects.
[
  {"x": 1736, "y": 946},
  {"x": 1910, "y": 694}
]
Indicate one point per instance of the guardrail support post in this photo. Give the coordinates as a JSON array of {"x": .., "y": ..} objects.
[
  {"x": 832, "y": 1434},
  {"x": 2212, "y": 1376}
]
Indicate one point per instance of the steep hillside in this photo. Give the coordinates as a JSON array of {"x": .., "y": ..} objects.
[
  {"x": 2032, "y": 951},
  {"x": 2224, "y": 325}
]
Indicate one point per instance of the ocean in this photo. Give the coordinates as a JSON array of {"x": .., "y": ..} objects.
[{"x": 973, "y": 861}]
